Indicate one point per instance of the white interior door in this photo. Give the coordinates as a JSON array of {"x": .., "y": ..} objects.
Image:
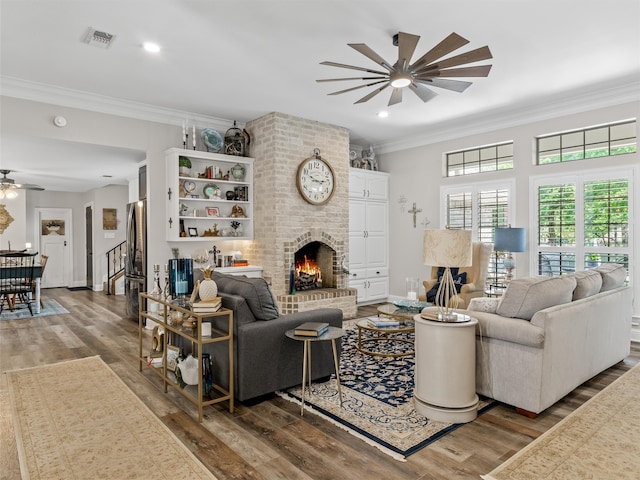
[{"x": 54, "y": 227}]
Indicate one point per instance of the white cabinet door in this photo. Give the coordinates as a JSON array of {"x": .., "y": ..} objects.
[
  {"x": 377, "y": 288},
  {"x": 357, "y": 183},
  {"x": 377, "y": 186}
]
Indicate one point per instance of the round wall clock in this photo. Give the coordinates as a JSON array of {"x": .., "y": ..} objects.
[{"x": 315, "y": 180}]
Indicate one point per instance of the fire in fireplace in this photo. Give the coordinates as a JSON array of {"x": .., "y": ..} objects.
[{"x": 313, "y": 267}]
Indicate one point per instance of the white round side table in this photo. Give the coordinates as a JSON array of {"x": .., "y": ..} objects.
[{"x": 445, "y": 370}]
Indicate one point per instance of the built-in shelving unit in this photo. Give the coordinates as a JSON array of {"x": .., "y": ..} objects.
[{"x": 197, "y": 206}]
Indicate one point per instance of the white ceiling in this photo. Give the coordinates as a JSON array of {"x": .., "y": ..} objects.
[{"x": 239, "y": 60}]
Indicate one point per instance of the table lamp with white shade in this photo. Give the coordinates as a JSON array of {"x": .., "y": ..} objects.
[
  {"x": 447, "y": 248},
  {"x": 509, "y": 240}
]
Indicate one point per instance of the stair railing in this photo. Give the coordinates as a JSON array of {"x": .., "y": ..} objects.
[{"x": 115, "y": 263}]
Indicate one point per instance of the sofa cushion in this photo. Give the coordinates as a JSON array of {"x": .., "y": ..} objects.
[
  {"x": 613, "y": 275},
  {"x": 588, "y": 282},
  {"x": 255, "y": 291},
  {"x": 525, "y": 296}
]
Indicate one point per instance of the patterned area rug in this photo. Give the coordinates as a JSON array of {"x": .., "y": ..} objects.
[
  {"x": 599, "y": 440},
  {"x": 51, "y": 307},
  {"x": 77, "y": 419},
  {"x": 377, "y": 399}
]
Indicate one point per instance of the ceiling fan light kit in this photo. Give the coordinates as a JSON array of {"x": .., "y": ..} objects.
[
  {"x": 8, "y": 186},
  {"x": 430, "y": 70}
]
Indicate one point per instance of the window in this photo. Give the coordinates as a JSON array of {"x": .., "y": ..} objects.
[
  {"x": 489, "y": 158},
  {"x": 601, "y": 141},
  {"x": 481, "y": 209},
  {"x": 583, "y": 222}
]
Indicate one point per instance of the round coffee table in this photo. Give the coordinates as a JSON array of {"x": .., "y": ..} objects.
[{"x": 384, "y": 334}]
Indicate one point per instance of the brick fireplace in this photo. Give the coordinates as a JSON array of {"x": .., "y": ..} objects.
[{"x": 284, "y": 223}]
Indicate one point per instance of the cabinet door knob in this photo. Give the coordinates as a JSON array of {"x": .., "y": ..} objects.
[{"x": 355, "y": 274}]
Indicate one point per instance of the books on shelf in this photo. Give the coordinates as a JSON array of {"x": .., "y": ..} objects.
[
  {"x": 382, "y": 322},
  {"x": 206, "y": 306},
  {"x": 311, "y": 329}
]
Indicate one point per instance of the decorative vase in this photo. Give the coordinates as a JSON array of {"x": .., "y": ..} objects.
[
  {"x": 238, "y": 172},
  {"x": 208, "y": 289}
]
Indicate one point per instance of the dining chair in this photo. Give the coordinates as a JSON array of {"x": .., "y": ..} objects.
[
  {"x": 43, "y": 263},
  {"x": 16, "y": 277}
]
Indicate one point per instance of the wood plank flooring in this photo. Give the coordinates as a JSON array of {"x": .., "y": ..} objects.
[{"x": 267, "y": 440}]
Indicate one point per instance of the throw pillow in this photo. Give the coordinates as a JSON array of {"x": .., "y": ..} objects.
[
  {"x": 459, "y": 279},
  {"x": 526, "y": 296},
  {"x": 588, "y": 282},
  {"x": 613, "y": 275},
  {"x": 255, "y": 291}
]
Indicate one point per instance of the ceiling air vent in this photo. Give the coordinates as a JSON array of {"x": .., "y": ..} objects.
[{"x": 98, "y": 39}]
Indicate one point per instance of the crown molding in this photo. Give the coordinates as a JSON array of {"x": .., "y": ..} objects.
[
  {"x": 40, "y": 92},
  {"x": 523, "y": 113}
]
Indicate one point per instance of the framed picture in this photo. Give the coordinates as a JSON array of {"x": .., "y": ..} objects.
[
  {"x": 193, "y": 232},
  {"x": 109, "y": 219},
  {"x": 213, "y": 212},
  {"x": 172, "y": 357}
]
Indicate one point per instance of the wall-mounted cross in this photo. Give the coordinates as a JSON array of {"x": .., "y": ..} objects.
[{"x": 414, "y": 211}]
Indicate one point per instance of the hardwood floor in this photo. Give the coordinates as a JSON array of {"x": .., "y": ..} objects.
[{"x": 267, "y": 440}]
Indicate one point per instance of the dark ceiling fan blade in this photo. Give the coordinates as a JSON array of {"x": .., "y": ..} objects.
[
  {"x": 454, "y": 85},
  {"x": 396, "y": 96},
  {"x": 407, "y": 44},
  {"x": 482, "y": 53},
  {"x": 29, "y": 186},
  {"x": 362, "y": 69},
  {"x": 367, "y": 52},
  {"x": 479, "y": 71},
  {"x": 368, "y": 97},
  {"x": 422, "y": 92},
  {"x": 448, "y": 45},
  {"x": 356, "y": 88},
  {"x": 349, "y": 78}
]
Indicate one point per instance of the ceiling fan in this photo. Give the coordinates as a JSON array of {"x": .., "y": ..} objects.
[
  {"x": 8, "y": 186},
  {"x": 426, "y": 71}
]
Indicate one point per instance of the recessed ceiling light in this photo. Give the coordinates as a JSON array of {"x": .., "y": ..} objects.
[
  {"x": 151, "y": 47},
  {"x": 383, "y": 114}
]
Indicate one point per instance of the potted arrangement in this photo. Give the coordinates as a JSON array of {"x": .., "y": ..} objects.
[{"x": 184, "y": 165}]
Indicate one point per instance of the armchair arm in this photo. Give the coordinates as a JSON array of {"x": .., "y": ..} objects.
[
  {"x": 468, "y": 288},
  {"x": 428, "y": 284}
]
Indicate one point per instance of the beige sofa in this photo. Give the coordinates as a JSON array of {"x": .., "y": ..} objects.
[{"x": 547, "y": 335}]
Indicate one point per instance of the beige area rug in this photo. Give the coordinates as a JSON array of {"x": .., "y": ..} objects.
[
  {"x": 599, "y": 440},
  {"x": 79, "y": 420}
]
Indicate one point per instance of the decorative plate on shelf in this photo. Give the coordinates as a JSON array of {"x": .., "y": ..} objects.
[
  {"x": 416, "y": 305},
  {"x": 211, "y": 190},
  {"x": 212, "y": 140}
]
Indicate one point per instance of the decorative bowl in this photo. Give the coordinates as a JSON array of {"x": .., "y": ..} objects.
[{"x": 212, "y": 140}]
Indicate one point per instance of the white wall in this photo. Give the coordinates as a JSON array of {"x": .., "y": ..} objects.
[
  {"x": 417, "y": 174},
  {"x": 15, "y": 234}
]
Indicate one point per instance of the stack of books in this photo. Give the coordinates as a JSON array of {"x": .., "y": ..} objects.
[
  {"x": 311, "y": 329},
  {"x": 241, "y": 263},
  {"x": 206, "y": 306},
  {"x": 383, "y": 322}
]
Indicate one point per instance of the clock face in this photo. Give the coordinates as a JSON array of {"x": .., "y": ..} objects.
[{"x": 315, "y": 181}]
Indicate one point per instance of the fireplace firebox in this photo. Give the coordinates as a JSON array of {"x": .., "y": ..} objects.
[{"x": 313, "y": 265}]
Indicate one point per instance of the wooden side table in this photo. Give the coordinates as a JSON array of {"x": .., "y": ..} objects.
[
  {"x": 445, "y": 370},
  {"x": 332, "y": 334}
]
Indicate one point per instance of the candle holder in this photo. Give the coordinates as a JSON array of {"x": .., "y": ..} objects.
[{"x": 185, "y": 141}]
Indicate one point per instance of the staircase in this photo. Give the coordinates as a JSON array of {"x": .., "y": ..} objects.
[{"x": 115, "y": 266}]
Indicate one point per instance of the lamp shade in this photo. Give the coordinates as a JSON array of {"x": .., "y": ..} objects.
[
  {"x": 447, "y": 248},
  {"x": 509, "y": 240}
]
